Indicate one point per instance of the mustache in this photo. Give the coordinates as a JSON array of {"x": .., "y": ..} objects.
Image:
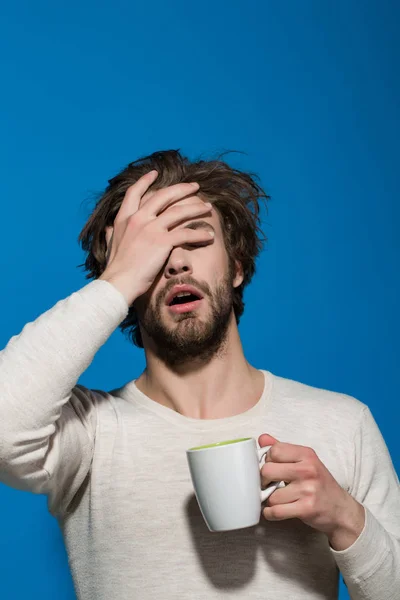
[{"x": 188, "y": 280}]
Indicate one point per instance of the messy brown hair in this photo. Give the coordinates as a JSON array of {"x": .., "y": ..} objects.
[{"x": 234, "y": 194}]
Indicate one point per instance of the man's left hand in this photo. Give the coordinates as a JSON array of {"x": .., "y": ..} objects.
[{"x": 312, "y": 494}]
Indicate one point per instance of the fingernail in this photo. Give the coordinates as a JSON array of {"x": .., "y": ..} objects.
[{"x": 194, "y": 184}]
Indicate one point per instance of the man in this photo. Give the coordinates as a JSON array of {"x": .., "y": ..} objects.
[{"x": 171, "y": 245}]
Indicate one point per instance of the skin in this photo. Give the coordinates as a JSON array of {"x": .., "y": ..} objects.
[
  {"x": 155, "y": 224},
  {"x": 311, "y": 494}
]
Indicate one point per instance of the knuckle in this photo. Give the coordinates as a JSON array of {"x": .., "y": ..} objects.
[
  {"x": 179, "y": 189},
  {"x": 273, "y": 453},
  {"x": 196, "y": 207},
  {"x": 184, "y": 209},
  {"x": 133, "y": 220},
  {"x": 175, "y": 210},
  {"x": 309, "y": 452},
  {"x": 308, "y": 471},
  {"x": 184, "y": 190},
  {"x": 310, "y": 489},
  {"x": 313, "y": 471}
]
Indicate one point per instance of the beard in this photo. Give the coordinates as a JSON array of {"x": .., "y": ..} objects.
[{"x": 189, "y": 338}]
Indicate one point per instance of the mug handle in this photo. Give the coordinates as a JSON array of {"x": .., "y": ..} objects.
[{"x": 275, "y": 484}]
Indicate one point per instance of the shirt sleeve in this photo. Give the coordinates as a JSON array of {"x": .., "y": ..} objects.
[
  {"x": 371, "y": 565},
  {"x": 48, "y": 422}
]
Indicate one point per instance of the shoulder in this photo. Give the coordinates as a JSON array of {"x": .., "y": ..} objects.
[
  {"x": 111, "y": 406},
  {"x": 320, "y": 403}
]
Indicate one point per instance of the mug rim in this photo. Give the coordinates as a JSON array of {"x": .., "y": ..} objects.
[{"x": 219, "y": 444}]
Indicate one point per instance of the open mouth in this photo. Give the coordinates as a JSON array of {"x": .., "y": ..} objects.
[{"x": 184, "y": 298}]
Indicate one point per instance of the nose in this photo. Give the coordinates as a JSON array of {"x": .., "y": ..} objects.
[{"x": 178, "y": 263}]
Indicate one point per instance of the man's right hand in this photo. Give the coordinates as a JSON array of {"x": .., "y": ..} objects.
[{"x": 144, "y": 233}]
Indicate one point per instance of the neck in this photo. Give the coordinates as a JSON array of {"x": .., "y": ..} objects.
[{"x": 224, "y": 386}]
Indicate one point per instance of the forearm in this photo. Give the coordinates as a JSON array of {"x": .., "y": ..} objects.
[
  {"x": 40, "y": 366},
  {"x": 371, "y": 565}
]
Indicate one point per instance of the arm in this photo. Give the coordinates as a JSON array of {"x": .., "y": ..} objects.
[
  {"x": 47, "y": 425},
  {"x": 38, "y": 371},
  {"x": 362, "y": 524},
  {"x": 371, "y": 565}
]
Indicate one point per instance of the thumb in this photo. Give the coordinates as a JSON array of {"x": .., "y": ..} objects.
[{"x": 266, "y": 440}]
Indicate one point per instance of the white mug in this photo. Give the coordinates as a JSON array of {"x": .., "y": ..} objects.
[{"x": 227, "y": 483}]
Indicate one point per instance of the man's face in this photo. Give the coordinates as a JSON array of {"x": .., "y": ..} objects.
[{"x": 186, "y": 312}]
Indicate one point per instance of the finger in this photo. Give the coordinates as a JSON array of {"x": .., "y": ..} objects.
[
  {"x": 130, "y": 203},
  {"x": 166, "y": 196},
  {"x": 284, "y": 453},
  {"x": 177, "y": 214},
  {"x": 281, "y": 512},
  {"x": 182, "y": 237},
  {"x": 279, "y": 472},
  {"x": 288, "y": 494},
  {"x": 266, "y": 440},
  {"x": 151, "y": 193},
  {"x": 146, "y": 197}
]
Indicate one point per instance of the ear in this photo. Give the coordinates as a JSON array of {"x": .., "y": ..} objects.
[
  {"x": 238, "y": 278},
  {"x": 109, "y": 231}
]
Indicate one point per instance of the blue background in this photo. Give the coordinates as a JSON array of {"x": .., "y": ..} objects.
[{"x": 308, "y": 90}]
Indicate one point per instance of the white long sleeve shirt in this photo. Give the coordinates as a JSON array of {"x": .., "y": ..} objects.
[{"x": 114, "y": 469}]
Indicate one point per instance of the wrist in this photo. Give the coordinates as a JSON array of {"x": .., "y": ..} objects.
[
  {"x": 122, "y": 285},
  {"x": 350, "y": 523}
]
